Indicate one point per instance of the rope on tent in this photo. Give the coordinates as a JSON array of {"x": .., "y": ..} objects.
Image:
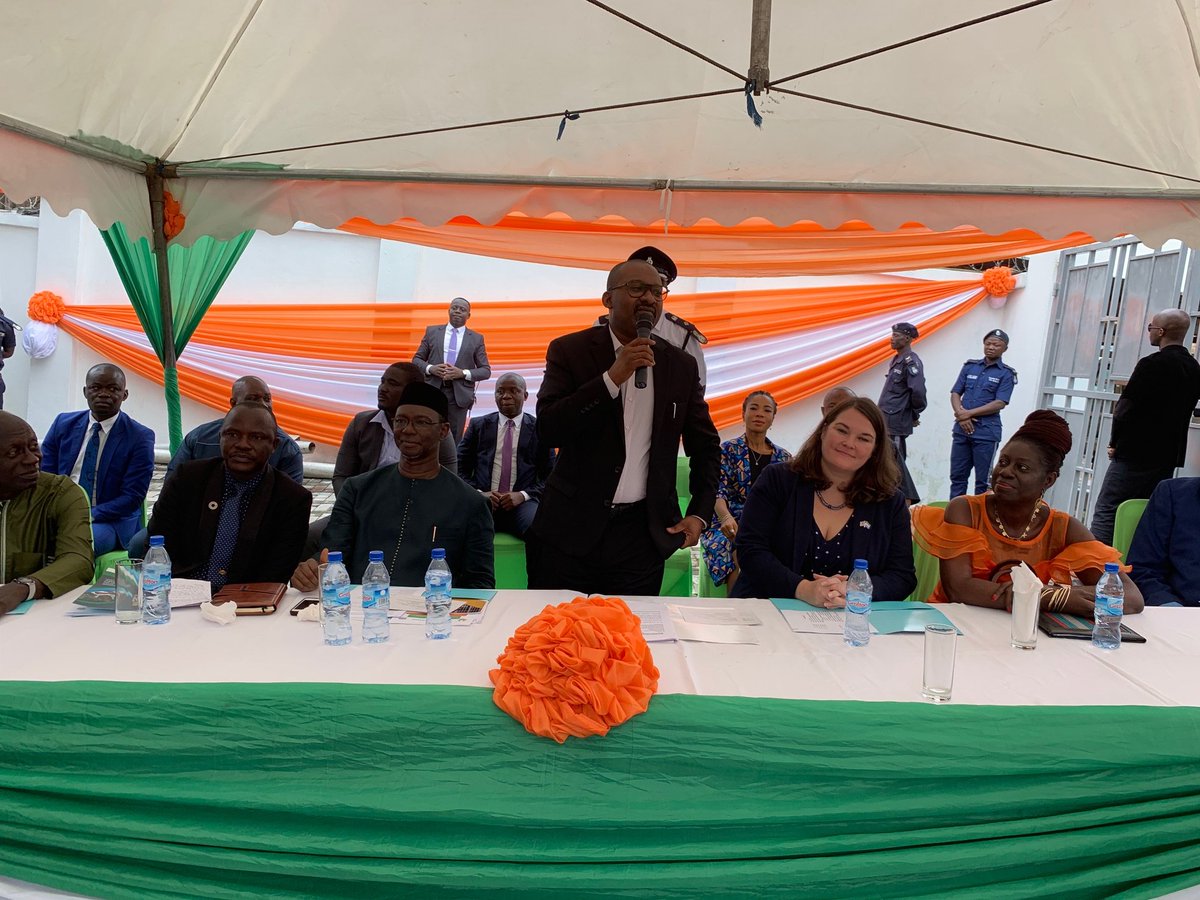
[
  {"x": 562, "y": 126},
  {"x": 751, "y": 109}
]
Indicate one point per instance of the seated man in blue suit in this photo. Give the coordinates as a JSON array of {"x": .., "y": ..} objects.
[
  {"x": 1165, "y": 553},
  {"x": 108, "y": 454},
  {"x": 514, "y": 485}
]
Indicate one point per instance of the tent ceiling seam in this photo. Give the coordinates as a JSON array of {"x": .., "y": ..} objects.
[{"x": 212, "y": 80}]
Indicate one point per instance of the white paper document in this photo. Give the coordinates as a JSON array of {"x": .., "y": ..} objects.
[
  {"x": 715, "y": 615},
  {"x": 656, "y": 623},
  {"x": 187, "y": 592},
  {"x": 817, "y": 621}
]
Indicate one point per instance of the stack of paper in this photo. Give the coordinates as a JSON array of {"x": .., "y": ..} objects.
[{"x": 408, "y": 605}]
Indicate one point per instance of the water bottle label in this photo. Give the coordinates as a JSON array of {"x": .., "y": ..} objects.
[
  {"x": 375, "y": 594},
  {"x": 858, "y": 605},
  {"x": 1109, "y": 606}
]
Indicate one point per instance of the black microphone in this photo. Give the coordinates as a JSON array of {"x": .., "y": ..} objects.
[{"x": 644, "y": 323}]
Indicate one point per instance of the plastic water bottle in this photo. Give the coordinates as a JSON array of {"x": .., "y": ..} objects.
[
  {"x": 437, "y": 597},
  {"x": 335, "y": 600},
  {"x": 376, "y": 600},
  {"x": 857, "y": 630},
  {"x": 1110, "y": 606},
  {"x": 156, "y": 584}
]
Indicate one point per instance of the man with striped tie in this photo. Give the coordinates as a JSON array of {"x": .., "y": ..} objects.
[
  {"x": 502, "y": 458},
  {"x": 107, "y": 454}
]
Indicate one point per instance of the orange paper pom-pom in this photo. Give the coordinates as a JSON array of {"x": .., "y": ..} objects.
[
  {"x": 173, "y": 217},
  {"x": 999, "y": 281},
  {"x": 578, "y": 669},
  {"x": 46, "y": 306}
]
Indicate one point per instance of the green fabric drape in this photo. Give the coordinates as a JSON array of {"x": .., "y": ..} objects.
[
  {"x": 341, "y": 790},
  {"x": 197, "y": 274}
]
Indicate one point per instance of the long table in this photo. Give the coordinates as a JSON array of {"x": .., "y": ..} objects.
[{"x": 252, "y": 760}]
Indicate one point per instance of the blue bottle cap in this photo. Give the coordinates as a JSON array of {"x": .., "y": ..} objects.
[
  {"x": 335, "y": 556},
  {"x": 860, "y": 564},
  {"x": 438, "y": 553},
  {"x": 376, "y": 556},
  {"x": 1111, "y": 567},
  {"x": 156, "y": 540}
]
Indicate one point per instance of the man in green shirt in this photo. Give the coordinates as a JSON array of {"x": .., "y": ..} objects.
[
  {"x": 409, "y": 508},
  {"x": 45, "y": 523}
]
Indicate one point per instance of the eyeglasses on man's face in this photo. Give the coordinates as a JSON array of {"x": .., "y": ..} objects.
[
  {"x": 401, "y": 423},
  {"x": 637, "y": 289},
  {"x": 1153, "y": 327}
]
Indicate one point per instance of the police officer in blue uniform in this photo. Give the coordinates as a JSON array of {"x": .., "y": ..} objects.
[
  {"x": 903, "y": 398},
  {"x": 983, "y": 388}
]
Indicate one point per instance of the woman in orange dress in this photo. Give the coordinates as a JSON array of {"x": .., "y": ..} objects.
[{"x": 979, "y": 538}]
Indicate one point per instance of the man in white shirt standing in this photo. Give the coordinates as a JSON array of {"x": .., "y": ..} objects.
[
  {"x": 502, "y": 457},
  {"x": 453, "y": 359},
  {"x": 107, "y": 454}
]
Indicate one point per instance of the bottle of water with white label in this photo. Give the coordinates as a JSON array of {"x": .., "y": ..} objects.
[
  {"x": 335, "y": 600},
  {"x": 1110, "y": 606},
  {"x": 857, "y": 631},
  {"x": 437, "y": 597},
  {"x": 156, "y": 584},
  {"x": 376, "y": 599}
]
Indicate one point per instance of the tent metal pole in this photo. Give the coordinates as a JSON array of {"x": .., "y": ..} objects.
[
  {"x": 660, "y": 184},
  {"x": 759, "y": 74},
  {"x": 79, "y": 148},
  {"x": 154, "y": 181}
]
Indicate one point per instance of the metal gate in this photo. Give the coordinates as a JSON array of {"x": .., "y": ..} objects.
[{"x": 1105, "y": 296}]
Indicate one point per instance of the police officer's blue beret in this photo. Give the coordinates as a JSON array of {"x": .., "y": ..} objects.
[
  {"x": 997, "y": 333},
  {"x": 665, "y": 265},
  {"x": 907, "y": 329}
]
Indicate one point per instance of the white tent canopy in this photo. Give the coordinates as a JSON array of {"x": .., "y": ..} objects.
[{"x": 91, "y": 92}]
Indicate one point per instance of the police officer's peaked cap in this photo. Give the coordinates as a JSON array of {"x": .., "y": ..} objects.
[
  {"x": 997, "y": 333},
  {"x": 907, "y": 329},
  {"x": 665, "y": 265}
]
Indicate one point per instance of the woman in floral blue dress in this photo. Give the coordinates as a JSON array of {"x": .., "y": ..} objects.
[{"x": 742, "y": 460}]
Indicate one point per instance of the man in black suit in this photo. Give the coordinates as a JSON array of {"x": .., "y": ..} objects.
[
  {"x": 513, "y": 490},
  {"x": 609, "y": 515},
  {"x": 237, "y": 518},
  {"x": 453, "y": 359}
]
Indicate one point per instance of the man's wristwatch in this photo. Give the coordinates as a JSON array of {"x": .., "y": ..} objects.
[{"x": 30, "y": 583}]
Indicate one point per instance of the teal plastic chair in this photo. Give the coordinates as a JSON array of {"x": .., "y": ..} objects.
[
  {"x": 1129, "y": 514},
  {"x": 511, "y": 573},
  {"x": 928, "y": 567}
]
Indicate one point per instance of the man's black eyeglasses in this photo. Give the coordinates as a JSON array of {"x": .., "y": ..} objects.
[{"x": 637, "y": 289}]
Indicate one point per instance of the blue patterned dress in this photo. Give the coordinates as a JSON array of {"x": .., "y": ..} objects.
[{"x": 733, "y": 487}]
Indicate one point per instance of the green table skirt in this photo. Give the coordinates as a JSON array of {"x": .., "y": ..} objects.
[{"x": 318, "y": 790}]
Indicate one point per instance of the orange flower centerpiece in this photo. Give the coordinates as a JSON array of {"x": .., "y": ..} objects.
[
  {"x": 45, "y": 311},
  {"x": 173, "y": 217},
  {"x": 576, "y": 669}
]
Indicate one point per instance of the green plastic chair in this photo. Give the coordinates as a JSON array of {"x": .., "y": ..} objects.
[
  {"x": 683, "y": 471},
  {"x": 1129, "y": 514},
  {"x": 677, "y": 575},
  {"x": 708, "y": 589},
  {"x": 510, "y": 562},
  {"x": 108, "y": 561},
  {"x": 927, "y": 566}
]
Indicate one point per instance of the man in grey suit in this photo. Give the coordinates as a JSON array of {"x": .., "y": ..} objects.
[{"x": 453, "y": 359}]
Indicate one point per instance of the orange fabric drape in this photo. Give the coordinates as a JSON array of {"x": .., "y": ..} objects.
[
  {"x": 754, "y": 248},
  {"x": 517, "y": 331}
]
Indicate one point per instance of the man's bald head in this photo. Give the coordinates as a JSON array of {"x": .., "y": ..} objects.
[
  {"x": 20, "y": 456},
  {"x": 1175, "y": 325},
  {"x": 250, "y": 389},
  {"x": 11, "y": 424},
  {"x": 834, "y": 396}
]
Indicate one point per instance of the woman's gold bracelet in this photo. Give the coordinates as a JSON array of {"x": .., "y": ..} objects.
[{"x": 1054, "y": 597}]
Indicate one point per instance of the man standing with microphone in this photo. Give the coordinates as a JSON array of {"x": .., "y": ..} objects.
[{"x": 609, "y": 515}]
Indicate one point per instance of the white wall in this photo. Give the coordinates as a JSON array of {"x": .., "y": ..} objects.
[
  {"x": 312, "y": 265},
  {"x": 18, "y": 265}
]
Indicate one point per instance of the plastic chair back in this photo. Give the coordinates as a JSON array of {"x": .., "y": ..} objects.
[{"x": 1129, "y": 514}]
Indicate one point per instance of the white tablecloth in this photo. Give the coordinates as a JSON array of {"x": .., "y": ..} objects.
[{"x": 47, "y": 645}]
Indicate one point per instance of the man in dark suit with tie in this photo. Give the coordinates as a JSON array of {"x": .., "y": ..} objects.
[
  {"x": 502, "y": 457},
  {"x": 609, "y": 515},
  {"x": 237, "y": 518},
  {"x": 453, "y": 359},
  {"x": 108, "y": 454}
]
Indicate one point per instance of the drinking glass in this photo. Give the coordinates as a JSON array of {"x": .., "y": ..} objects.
[
  {"x": 127, "y": 593},
  {"x": 939, "y": 662}
]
